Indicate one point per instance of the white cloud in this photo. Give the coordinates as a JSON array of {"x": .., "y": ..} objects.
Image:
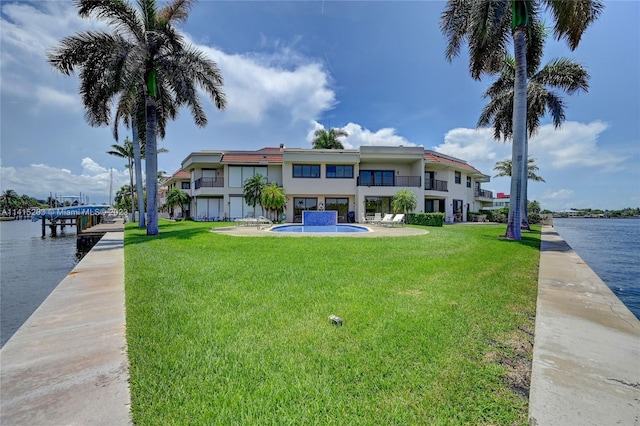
[
  {"x": 259, "y": 86},
  {"x": 474, "y": 146},
  {"x": 39, "y": 180},
  {"x": 575, "y": 145},
  {"x": 359, "y": 136}
]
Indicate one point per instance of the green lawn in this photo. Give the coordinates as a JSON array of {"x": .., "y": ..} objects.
[{"x": 234, "y": 330}]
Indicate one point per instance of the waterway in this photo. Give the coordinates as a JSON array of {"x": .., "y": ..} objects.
[
  {"x": 30, "y": 268},
  {"x": 611, "y": 248}
]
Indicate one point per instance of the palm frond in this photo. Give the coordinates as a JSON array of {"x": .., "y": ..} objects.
[{"x": 572, "y": 18}]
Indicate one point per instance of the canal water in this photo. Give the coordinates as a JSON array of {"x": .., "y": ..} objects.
[
  {"x": 611, "y": 248},
  {"x": 30, "y": 268}
]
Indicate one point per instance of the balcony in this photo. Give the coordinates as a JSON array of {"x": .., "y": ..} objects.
[
  {"x": 404, "y": 181},
  {"x": 435, "y": 185},
  {"x": 481, "y": 193},
  {"x": 210, "y": 182}
]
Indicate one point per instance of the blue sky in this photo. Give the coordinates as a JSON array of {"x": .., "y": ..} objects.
[{"x": 376, "y": 69}]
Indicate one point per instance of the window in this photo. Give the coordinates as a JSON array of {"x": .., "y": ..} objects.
[
  {"x": 306, "y": 171},
  {"x": 341, "y": 205},
  {"x": 238, "y": 174},
  {"x": 301, "y": 204},
  {"x": 377, "y": 205},
  {"x": 186, "y": 185},
  {"x": 339, "y": 171},
  {"x": 376, "y": 178},
  {"x": 458, "y": 177},
  {"x": 468, "y": 182}
]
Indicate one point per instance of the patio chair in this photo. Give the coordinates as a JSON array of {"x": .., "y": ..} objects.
[
  {"x": 386, "y": 219},
  {"x": 377, "y": 218},
  {"x": 263, "y": 221},
  {"x": 397, "y": 220}
]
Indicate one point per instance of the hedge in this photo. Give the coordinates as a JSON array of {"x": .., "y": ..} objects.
[{"x": 426, "y": 219}]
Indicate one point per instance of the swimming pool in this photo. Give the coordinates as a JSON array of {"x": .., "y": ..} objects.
[{"x": 320, "y": 229}]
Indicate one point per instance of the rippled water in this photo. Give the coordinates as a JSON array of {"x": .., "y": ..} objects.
[
  {"x": 30, "y": 268},
  {"x": 611, "y": 247}
]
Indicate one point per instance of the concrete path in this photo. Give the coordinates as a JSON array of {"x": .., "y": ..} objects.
[
  {"x": 586, "y": 357},
  {"x": 67, "y": 365}
]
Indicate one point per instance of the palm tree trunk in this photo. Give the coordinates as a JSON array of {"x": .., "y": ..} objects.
[
  {"x": 151, "y": 162},
  {"x": 137, "y": 158},
  {"x": 132, "y": 190},
  {"x": 519, "y": 134},
  {"x": 524, "y": 207}
]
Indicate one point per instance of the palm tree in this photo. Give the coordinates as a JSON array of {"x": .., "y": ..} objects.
[
  {"x": 10, "y": 199},
  {"x": 404, "y": 201},
  {"x": 253, "y": 190},
  {"x": 126, "y": 151},
  {"x": 329, "y": 139},
  {"x": 486, "y": 25},
  {"x": 562, "y": 73},
  {"x": 504, "y": 169},
  {"x": 176, "y": 197},
  {"x": 143, "y": 55},
  {"x": 273, "y": 198}
]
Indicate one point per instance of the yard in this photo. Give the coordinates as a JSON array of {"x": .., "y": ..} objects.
[{"x": 226, "y": 330}]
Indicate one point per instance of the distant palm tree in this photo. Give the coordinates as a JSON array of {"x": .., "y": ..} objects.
[
  {"x": 504, "y": 169},
  {"x": 329, "y": 139},
  {"x": 253, "y": 190},
  {"x": 10, "y": 199},
  {"x": 487, "y": 26},
  {"x": 143, "y": 53}
]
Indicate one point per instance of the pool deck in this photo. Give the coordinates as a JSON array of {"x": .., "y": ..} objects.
[{"x": 376, "y": 231}]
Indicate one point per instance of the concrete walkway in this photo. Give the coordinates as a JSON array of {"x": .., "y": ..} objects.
[
  {"x": 586, "y": 357},
  {"x": 67, "y": 365}
]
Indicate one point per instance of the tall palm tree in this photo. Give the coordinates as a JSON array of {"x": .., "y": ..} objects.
[
  {"x": 145, "y": 54},
  {"x": 487, "y": 26},
  {"x": 328, "y": 139},
  {"x": 563, "y": 74}
]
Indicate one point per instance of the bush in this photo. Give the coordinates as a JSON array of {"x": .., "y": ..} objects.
[{"x": 426, "y": 219}]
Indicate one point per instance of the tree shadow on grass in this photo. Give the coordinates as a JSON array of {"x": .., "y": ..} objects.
[{"x": 168, "y": 230}]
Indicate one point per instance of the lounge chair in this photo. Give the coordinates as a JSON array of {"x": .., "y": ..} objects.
[
  {"x": 397, "y": 220},
  {"x": 386, "y": 219},
  {"x": 263, "y": 221},
  {"x": 377, "y": 218}
]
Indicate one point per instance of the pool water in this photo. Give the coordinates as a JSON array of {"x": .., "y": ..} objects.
[{"x": 320, "y": 229}]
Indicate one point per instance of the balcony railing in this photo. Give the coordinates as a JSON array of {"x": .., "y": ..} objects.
[
  {"x": 405, "y": 181},
  {"x": 482, "y": 193},
  {"x": 210, "y": 182},
  {"x": 435, "y": 185}
]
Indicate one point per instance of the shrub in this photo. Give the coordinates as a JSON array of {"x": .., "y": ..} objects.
[{"x": 426, "y": 219}]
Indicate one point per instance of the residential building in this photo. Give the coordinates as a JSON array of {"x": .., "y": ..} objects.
[
  {"x": 362, "y": 181},
  {"x": 180, "y": 180}
]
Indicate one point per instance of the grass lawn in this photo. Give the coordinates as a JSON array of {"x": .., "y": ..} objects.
[{"x": 229, "y": 330}]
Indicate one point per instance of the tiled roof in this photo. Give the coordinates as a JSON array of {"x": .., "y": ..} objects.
[
  {"x": 434, "y": 157},
  {"x": 181, "y": 174},
  {"x": 264, "y": 155}
]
